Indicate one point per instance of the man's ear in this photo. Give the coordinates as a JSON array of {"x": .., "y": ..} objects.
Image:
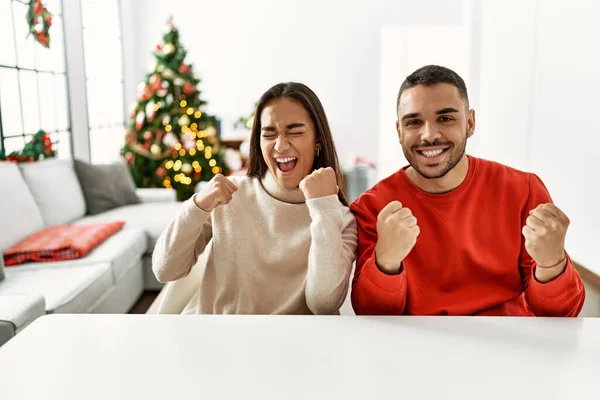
[
  {"x": 398, "y": 130},
  {"x": 471, "y": 123}
]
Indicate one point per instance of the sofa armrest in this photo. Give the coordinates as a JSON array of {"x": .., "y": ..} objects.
[
  {"x": 7, "y": 331},
  {"x": 17, "y": 310},
  {"x": 156, "y": 195}
]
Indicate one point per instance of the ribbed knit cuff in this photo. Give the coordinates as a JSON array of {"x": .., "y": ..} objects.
[
  {"x": 328, "y": 205},
  {"x": 189, "y": 210},
  {"x": 385, "y": 282},
  {"x": 556, "y": 287}
]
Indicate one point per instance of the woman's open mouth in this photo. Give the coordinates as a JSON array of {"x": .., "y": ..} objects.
[{"x": 286, "y": 164}]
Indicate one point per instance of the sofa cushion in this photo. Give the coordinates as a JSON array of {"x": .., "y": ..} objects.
[
  {"x": 19, "y": 214},
  {"x": 152, "y": 218},
  {"x": 56, "y": 190},
  {"x": 105, "y": 186},
  {"x": 21, "y": 308},
  {"x": 121, "y": 251},
  {"x": 67, "y": 289}
]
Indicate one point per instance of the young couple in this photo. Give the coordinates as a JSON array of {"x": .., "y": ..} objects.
[{"x": 449, "y": 234}]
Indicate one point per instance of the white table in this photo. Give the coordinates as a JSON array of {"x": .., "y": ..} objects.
[{"x": 108, "y": 357}]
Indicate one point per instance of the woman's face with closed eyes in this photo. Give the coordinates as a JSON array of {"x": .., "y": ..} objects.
[{"x": 287, "y": 141}]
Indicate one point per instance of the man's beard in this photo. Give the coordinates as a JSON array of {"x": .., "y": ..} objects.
[{"x": 452, "y": 161}]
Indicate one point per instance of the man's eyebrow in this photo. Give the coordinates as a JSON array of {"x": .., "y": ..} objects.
[
  {"x": 409, "y": 115},
  {"x": 268, "y": 128},
  {"x": 446, "y": 110}
]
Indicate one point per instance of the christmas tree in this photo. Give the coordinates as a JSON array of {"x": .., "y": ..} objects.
[{"x": 171, "y": 141}]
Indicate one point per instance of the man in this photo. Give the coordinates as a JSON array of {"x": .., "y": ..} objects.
[{"x": 452, "y": 234}]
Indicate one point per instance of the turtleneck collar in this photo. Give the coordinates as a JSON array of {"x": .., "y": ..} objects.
[{"x": 272, "y": 187}]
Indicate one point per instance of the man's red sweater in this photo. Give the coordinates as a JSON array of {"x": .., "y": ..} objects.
[{"x": 470, "y": 256}]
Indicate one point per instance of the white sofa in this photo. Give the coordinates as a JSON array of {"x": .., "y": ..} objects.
[{"x": 109, "y": 279}]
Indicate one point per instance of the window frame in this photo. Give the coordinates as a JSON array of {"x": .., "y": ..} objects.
[{"x": 55, "y": 134}]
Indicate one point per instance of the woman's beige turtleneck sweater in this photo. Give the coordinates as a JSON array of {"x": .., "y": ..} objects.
[{"x": 272, "y": 251}]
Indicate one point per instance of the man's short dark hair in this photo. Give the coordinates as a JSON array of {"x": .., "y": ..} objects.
[{"x": 432, "y": 75}]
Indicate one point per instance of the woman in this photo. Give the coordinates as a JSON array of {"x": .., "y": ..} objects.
[{"x": 283, "y": 237}]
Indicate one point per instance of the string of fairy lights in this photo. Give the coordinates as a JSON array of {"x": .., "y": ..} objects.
[{"x": 192, "y": 132}]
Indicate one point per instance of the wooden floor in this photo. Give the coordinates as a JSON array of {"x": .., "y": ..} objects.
[{"x": 144, "y": 302}]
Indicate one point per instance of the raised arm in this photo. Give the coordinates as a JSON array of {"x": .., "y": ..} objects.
[
  {"x": 551, "y": 283},
  {"x": 180, "y": 245},
  {"x": 379, "y": 285},
  {"x": 332, "y": 252}
]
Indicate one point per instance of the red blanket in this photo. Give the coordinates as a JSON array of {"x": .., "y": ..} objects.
[{"x": 60, "y": 242}]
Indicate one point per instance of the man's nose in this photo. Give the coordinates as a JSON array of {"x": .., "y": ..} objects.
[{"x": 429, "y": 132}]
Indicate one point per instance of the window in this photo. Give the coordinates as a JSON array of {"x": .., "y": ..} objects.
[
  {"x": 33, "y": 80},
  {"x": 104, "y": 78}
]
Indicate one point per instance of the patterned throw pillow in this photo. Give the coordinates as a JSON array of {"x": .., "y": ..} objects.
[{"x": 60, "y": 242}]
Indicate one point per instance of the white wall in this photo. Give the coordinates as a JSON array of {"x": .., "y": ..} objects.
[
  {"x": 403, "y": 50},
  {"x": 506, "y": 52},
  {"x": 565, "y": 127},
  {"x": 539, "y": 104},
  {"x": 241, "y": 48}
]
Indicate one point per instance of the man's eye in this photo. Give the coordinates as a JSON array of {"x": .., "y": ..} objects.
[
  {"x": 413, "y": 122},
  {"x": 445, "y": 119},
  {"x": 269, "y": 136}
]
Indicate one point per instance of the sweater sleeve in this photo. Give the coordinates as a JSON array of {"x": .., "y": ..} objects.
[
  {"x": 180, "y": 245},
  {"x": 374, "y": 292},
  {"x": 564, "y": 295},
  {"x": 332, "y": 252}
]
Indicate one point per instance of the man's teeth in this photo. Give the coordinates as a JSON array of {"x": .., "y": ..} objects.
[
  {"x": 432, "y": 153},
  {"x": 285, "y": 159}
]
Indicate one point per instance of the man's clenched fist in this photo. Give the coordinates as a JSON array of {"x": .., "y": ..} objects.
[
  {"x": 397, "y": 232},
  {"x": 545, "y": 231}
]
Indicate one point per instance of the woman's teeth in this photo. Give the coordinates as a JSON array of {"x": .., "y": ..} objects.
[
  {"x": 286, "y": 164},
  {"x": 285, "y": 159}
]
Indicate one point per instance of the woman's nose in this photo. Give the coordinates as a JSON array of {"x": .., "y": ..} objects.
[{"x": 282, "y": 144}]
